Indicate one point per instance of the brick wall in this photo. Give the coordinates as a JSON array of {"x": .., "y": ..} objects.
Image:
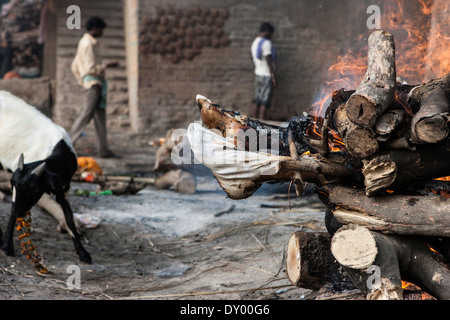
[{"x": 309, "y": 35}]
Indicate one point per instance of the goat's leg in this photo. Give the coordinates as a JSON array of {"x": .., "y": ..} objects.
[
  {"x": 82, "y": 253},
  {"x": 8, "y": 244}
]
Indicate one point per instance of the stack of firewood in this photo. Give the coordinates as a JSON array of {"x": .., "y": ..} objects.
[{"x": 387, "y": 206}]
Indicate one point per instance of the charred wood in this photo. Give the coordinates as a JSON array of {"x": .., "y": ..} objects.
[
  {"x": 310, "y": 264},
  {"x": 430, "y": 123},
  {"x": 395, "y": 168},
  {"x": 360, "y": 142}
]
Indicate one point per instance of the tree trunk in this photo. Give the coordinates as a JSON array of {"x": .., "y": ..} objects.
[{"x": 377, "y": 90}]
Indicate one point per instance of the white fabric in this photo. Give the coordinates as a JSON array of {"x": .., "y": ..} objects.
[{"x": 236, "y": 170}]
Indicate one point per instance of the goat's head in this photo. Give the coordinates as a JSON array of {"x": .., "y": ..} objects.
[{"x": 28, "y": 184}]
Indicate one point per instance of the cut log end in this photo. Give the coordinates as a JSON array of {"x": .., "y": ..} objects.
[
  {"x": 429, "y": 124},
  {"x": 309, "y": 262},
  {"x": 354, "y": 247},
  {"x": 377, "y": 90},
  {"x": 431, "y": 130},
  {"x": 293, "y": 260},
  {"x": 361, "y": 110},
  {"x": 361, "y": 143}
]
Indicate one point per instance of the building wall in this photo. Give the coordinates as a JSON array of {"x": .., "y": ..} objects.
[
  {"x": 309, "y": 36},
  {"x": 37, "y": 92}
]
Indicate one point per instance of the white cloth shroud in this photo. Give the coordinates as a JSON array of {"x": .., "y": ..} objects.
[{"x": 237, "y": 170}]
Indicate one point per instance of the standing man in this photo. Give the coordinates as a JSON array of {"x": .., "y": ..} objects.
[
  {"x": 90, "y": 74},
  {"x": 264, "y": 55}
]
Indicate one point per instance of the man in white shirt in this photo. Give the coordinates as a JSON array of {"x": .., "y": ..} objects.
[
  {"x": 90, "y": 74},
  {"x": 264, "y": 56}
]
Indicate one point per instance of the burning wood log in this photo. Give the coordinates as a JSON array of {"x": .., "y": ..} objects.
[
  {"x": 430, "y": 124},
  {"x": 377, "y": 263},
  {"x": 391, "y": 213},
  {"x": 359, "y": 141},
  {"x": 396, "y": 168},
  {"x": 377, "y": 90},
  {"x": 386, "y": 169}
]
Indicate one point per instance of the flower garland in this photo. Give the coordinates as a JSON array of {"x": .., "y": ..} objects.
[{"x": 28, "y": 249}]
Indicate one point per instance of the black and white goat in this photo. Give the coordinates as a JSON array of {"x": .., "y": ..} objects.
[{"x": 27, "y": 134}]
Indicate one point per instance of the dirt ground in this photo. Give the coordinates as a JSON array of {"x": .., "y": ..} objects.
[{"x": 159, "y": 244}]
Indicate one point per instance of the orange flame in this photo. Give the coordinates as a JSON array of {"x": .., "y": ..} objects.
[
  {"x": 408, "y": 286},
  {"x": 437, "y": 58}
]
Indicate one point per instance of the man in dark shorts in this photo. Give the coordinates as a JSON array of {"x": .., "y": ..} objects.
[{"x": 264, "y": 56}]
